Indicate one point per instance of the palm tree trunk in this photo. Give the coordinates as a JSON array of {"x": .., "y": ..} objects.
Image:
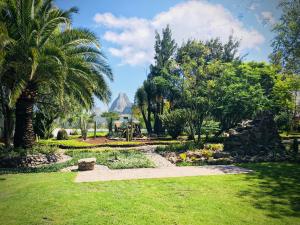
[
  {"x": 147, "y": 121},
  {"x": 24, "y": 133},
  {"x": 8, "y": 126}
]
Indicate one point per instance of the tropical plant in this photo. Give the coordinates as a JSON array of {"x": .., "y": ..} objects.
[
  {"x": 46, "y": 51},
  {"x": 62, "y": 135},
  {"x": 161, "y": 83},
  {"x": 85, "y": 118},
  {"x": 142, "y": 102},
  {"x": 5, "y": 87}
]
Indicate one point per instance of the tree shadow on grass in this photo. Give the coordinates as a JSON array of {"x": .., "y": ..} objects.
[{"x": 274, "y": 187}]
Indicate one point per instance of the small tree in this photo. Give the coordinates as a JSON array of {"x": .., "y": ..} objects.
[
  {"x": 286, "y": 43},
  {"x": 174, "y": 121},
  {"x": 85, "y": 118}
]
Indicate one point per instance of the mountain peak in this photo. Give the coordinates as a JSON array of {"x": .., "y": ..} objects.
[{"x": 121, "y": 104}]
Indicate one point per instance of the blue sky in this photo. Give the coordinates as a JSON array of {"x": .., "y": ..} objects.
[{"x": 126, "y": 29}]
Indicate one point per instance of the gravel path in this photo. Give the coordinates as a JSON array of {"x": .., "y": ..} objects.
[
  {"x": 159, "y": 161},
  {"x": 164, "y": 169},
  {"x": 102, "y": 173}
]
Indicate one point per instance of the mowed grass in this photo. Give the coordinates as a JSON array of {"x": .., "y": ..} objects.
[{"x": 269, "y": 196}]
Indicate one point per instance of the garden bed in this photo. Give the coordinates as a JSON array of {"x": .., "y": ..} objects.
[
  {"x": 113, "y": 159},
  {"x": 104, "y": 142},
  {"x": 189, "y": 154}
]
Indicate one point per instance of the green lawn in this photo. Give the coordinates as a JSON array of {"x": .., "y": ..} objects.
[{"x": 269, "y": 196}]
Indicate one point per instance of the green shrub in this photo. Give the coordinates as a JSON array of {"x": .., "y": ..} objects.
[
  {"x": 37, "y": 148},
  {"x": 43, "y": 149},
  {"x": 62, "y": 135},
  {"x": 84, "y": 134},
  {"x": 174, "y": 122},
  {"x": 206, "y": 153},
  {"x": 190, "y": 145},
  {"x": 214, "y": 147}
]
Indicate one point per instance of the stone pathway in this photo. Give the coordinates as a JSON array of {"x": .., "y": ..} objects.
[
  {"x": 102, "y": 173},
  {"x": 159, "y": 161}
]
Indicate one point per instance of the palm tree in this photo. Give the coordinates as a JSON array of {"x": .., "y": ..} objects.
[
  {"x": 47, "y": 52},
  {"x": 5, "y": 108}
]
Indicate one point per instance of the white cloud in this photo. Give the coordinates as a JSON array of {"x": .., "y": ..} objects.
[
  {"x": 253, "y": 6},
  {"x": 266, "y": 17},
  {"x": 134, "y": 37}
]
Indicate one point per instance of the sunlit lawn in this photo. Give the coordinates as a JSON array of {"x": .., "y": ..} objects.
[{"x": 269, "y": 196}]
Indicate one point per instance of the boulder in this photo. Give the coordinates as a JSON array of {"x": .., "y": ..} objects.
[
  {"x": 257, "y": 137},
  {"x": 30, "y": 160},
  {"x": 221, "y": 154},
  {"x": 86, "y": 164}
]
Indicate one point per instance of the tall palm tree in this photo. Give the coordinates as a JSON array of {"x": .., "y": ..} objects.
[
  {"x": 48, "y": 53},
  {"x": 5, "y": 108}
]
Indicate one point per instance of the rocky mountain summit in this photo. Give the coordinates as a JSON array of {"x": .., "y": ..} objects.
[{"x": 121, "y": 104}]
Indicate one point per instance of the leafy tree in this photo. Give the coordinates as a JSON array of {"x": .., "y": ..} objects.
[
  {"x": 200, "y": 64},
  {"x": 46, "y": 52},
  {"x": 50, "y": 110},
  {"x": 210, "y": 127},
  {"x": 164, "y": 48},
  {"x": 191, "y": 58},
  {"x": 159, "y": 78},
  {"x": 174, "y": 121},
  {"x": 226, "y": 52},
  {"x": 283, "y": 100},
  {"x": 286, "y": 44},
  {"x": 237, "y": 95}
]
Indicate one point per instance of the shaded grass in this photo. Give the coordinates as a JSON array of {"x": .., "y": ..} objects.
[
  {"x": 53, "y": 198},
  {"x": 279, "y": 180}
]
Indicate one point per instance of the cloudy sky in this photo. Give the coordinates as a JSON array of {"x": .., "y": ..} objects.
[{"x": 126, "y": 29}]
